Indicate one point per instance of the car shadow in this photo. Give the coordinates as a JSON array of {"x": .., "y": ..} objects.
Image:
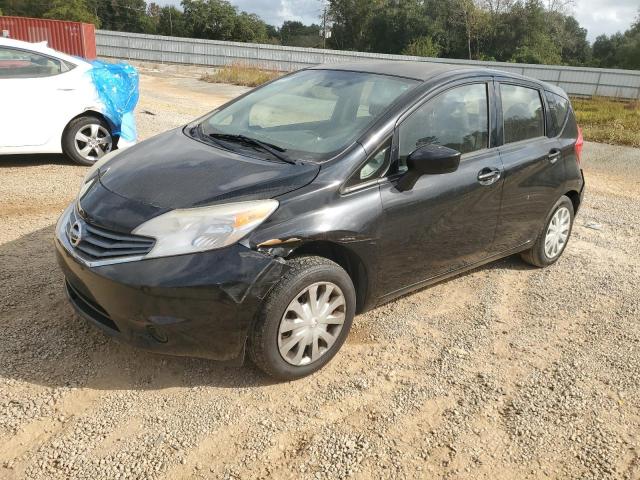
[
  {"x": 45, "y": 342},
  {"x": 34, "y": 160}
]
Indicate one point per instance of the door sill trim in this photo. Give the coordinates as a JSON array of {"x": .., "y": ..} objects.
[{"x": 451, "y": 273}]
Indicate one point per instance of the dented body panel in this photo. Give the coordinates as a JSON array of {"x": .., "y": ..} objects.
[{"x": 189, "y": 305}]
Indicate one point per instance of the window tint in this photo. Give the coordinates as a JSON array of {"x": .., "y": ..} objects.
[
  {"x": 22, "y": 64},
  {"x": 457, "y": 118},
  {"x": 522, "y": 113},
  {"x": 558, "y": 107}
]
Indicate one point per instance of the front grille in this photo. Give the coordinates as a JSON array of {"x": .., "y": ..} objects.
[
  {"x": 101, "y": 244},
  {"x": 90, "y": 308}
]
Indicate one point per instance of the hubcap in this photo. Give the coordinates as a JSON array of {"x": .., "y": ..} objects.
[
  {"x": 557, "y": 232},
  {"x": 93, "y": 141},
  {"x": 312, "y": 323}
]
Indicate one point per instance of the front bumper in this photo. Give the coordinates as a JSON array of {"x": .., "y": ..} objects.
[{"x": 199, "y": 305}]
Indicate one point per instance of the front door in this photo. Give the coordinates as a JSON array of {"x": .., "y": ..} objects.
[
  {"x": 30, "y": 97},
  {"x": 445, "y": 222}
]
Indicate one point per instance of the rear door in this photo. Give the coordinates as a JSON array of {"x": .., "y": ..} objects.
[
  {"x": 533, "y": 168},
  {"x": 445, "y": 222}
]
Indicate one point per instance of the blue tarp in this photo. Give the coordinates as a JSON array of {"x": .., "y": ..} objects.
[{"x": 117, "y": 87}]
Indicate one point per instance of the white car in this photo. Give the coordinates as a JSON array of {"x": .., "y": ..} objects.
[{"x": 49, "y": 104}]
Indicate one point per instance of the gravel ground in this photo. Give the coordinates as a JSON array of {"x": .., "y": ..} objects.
[{"x": 505, "y": 372}]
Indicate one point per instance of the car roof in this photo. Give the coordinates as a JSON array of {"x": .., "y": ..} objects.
[
  {"x": 424, "y": 71},
  {"x": 41, "y": 47}
]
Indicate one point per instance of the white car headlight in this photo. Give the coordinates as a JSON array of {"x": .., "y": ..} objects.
[{"x": 204, "y": 228}]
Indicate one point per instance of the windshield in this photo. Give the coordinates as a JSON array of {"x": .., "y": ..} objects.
[{"x": 310, "y": 115}]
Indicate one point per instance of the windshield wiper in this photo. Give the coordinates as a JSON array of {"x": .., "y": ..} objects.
[{"x": 272, "y": 149}]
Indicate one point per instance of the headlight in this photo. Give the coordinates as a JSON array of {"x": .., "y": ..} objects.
[{"x": 204, "y": 228}]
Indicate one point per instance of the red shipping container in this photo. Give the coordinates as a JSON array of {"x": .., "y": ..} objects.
[{"x": 73, "y": 38}]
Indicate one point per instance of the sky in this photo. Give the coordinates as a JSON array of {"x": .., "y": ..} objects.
[{"x": 597, "y": 16}]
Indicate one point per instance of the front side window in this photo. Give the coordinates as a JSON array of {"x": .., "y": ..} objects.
[
  {"x": 375, "y": 167},
  {"x": 16, "y": 63},
  {"x": 310, "y": 115},
  {"x": 521, "y": 112},
  {"x": 457, "y": 118}
]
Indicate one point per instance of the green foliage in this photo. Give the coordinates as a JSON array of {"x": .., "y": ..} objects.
[
  {"x": 608, "y": 121},
  {"x": 72, "y": 10},
  {"x": 24, "y": 8},
  {"x": 123, "y": 15},
  {"x": 422, "y": 47},
  {"x": 522, "y": 30},
  {"x": 620, "y": 50},
  {"x": 219, "y": 20},
  {"x": 299, "y": 35},
  {"x": 529, "y": 31}
]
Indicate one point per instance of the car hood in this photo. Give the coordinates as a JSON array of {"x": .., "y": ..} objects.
[{"x": 173, "y": 170}]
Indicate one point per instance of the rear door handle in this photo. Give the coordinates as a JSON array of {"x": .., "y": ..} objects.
[
  {"x": 553, "y": 156},
  {"x": 489, "y": 176}
]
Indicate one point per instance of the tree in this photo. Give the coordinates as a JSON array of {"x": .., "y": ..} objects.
[
  {"x": 212, "y": 19},
  {"x": 350, "y": 20},
  {"x": 72, "y": 10},
  {"x": 24, "y": 8},
  {"x": 123, "y": 15},
  {"x": 422, "y": 47},
  {"x": 171, "y": 22},
  {"x": 620, "y": 50},
  {"x": 249, "y": 28},
  {"x": 297, "y": 34},
  {"x": 574, "y": 46},
  {"x": 219, "y": 20}
]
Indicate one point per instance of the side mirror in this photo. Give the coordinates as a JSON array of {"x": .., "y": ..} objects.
[{"x": 428, "y": 160}]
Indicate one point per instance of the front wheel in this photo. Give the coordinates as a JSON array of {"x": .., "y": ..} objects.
[
  {"x": 555, "y": 236},
  {"x": 87, "y": 139},
  {"x": 305, "y": 319}
]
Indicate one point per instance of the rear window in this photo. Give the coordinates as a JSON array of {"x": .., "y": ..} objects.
[
  {"x": 558, "y": 108},
  {"x": 521, "y": 113}
]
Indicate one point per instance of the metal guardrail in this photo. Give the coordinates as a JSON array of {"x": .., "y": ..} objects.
[{"x": 154, "y": 48}]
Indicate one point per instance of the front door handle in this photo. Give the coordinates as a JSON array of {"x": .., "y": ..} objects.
[
  {"x": 489, "y": 176},
  {"x": 553, "y": 156}
]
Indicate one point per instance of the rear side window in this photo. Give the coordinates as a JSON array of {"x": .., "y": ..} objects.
[
  {"x": 521, "y": 112},
  {"x": 16, "y": 63},
  {"x": 457, "y": 118},
  {"x": 558, "y": 108}
]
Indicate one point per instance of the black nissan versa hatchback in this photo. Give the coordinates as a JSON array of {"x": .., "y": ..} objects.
[{"x": 267, "y": 224}]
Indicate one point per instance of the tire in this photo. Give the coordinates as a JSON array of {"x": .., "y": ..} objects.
[
  {"x": 94, "y": 129},
  {"x": 266, "y": 340},
  {"x": 538, "y": 255}
]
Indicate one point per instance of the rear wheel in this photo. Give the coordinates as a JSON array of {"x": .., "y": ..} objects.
[
  {"x": 305, "y": 319},
  {"x": 87, "y": 139},
  {"x": 555, "y": 236}
]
